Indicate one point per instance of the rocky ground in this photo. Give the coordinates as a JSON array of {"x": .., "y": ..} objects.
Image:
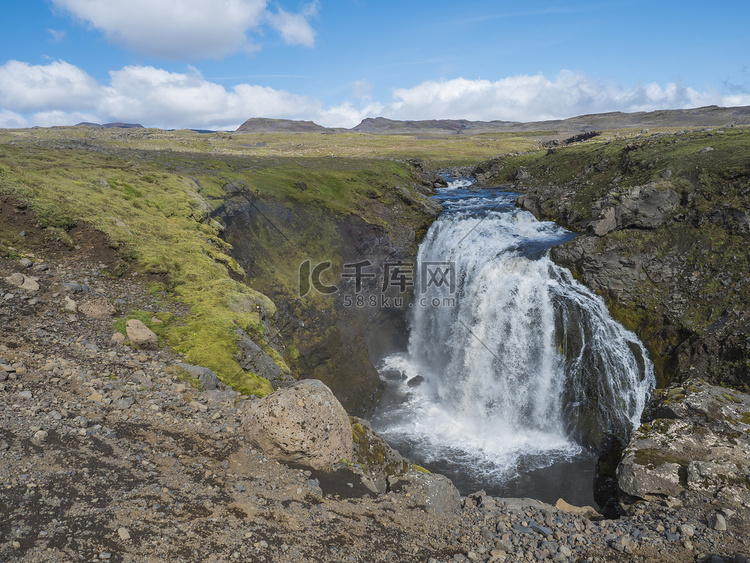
[{"x": 106, "y": 454}]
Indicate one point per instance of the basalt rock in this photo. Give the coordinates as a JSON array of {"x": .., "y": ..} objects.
[
  {"x": 663, "y": 229},
  {"x": 693, "y": 437},
  {"x": 254, "y": 359}
]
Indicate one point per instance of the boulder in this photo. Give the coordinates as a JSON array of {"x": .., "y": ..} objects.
[
  {"x": 70, "y": 305},
  {"x": 99, "y": 308},
  {"x": 435, "y": 492},
  {"x": 140, "y": 335},
  {"x": 252, "y": 358},
  {"x": 209, "y": 380},
  {"x": 22, "y": 281},
  {"x": 695, "y": 437},
  {"x": 585, "y": 511},
  {"x": 303, "y": 423}
]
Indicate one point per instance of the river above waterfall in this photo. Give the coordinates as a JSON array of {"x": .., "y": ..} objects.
[{"x": 514, "y": 371}]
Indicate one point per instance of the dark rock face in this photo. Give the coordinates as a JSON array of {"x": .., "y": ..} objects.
[
  {"x": 667, "y": 251},
  {"x": 254, "y": 359},
  {"x": 334, "y": 338},
  {"x": 641, "y": 208}
]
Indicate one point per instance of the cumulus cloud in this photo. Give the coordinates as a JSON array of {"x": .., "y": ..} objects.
[
  {"x": 59, "y": 93},
  {"x": 157, "y": 97},
  {"x": 187, "y": 29},
  {"x": 535, "y": 98},
  {"x": 62, "y": 94},
  {"x": 25, "y": 87},
  {"x": 12, "y": 120},
  {"x": 294, "y": 28}
]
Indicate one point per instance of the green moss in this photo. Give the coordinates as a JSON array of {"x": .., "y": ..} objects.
[
  {"x": 292, "y": 351},
  {"x": 183, "y": 375},
  {"x": 745, "y": 418},
  {"x": 653, "y": 458},
  {"x": 419, "y": 468}
]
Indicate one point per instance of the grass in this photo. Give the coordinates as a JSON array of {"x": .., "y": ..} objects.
[{"x": 152, "y": 192}]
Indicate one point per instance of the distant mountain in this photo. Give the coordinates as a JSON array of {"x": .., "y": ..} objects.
[
  {"x": 383, "y": 125},
  {"x": 119, "y": 124},
  {"x": 264, "y": 125},
  {"x": 710, "y": 116}
]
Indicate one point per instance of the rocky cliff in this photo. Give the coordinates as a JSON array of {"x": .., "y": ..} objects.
[
  {"x": 664, "y": 226},
  {"x": 297, "y": 249}
]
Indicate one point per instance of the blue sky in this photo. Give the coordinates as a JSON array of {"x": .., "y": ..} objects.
[{"x": 214, "y": 63}]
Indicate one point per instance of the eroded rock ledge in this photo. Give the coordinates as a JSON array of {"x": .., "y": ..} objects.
[
  {"x": 664, "y": 227},
  {"x": 695, "y": 438}
]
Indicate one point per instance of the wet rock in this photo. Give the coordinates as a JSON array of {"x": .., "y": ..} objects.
[
  {"x": 303, "y": 423},
  {"x": 141, "y": 336},
  {"x": 415, "y": 381}
]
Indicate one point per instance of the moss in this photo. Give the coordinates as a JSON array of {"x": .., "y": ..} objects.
[
  {"x": 654, "y": 458},
  {"x": 419, "y": 468},
  {"x": 183, "y": 375},
  {"x": 745, "y": 418},
  {"x": 292, "y": 351}
]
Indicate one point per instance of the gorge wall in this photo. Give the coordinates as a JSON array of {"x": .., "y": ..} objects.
[
  {"x": 280, "y": 242},
  {"x": 664, "y": 226}
]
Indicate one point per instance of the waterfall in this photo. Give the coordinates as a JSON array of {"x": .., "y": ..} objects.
[{"x": 520, "y": 365}]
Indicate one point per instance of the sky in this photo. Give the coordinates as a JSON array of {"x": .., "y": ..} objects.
[{"x": 212, "y": 64}]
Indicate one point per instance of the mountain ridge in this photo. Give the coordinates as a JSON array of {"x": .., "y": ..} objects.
[{"x": 707, "y": 116}]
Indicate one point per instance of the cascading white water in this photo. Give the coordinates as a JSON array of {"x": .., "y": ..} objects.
[{"x": 521, "y": 363}]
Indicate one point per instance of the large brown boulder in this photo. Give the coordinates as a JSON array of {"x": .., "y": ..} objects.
[{"x": 303, "y": 423}]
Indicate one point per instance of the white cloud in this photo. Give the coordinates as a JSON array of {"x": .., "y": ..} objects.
[
  {"x": 53, "y": 118},
  {"x": 535, "y": 98},
  {"x": 59, "y": 93},
  {"x": 156, "y": 97},
  {"x": 25, "y": 87},
  {"x": 187, "y": 29},
  {"x": 57, "y": 35},
  {"x": 294, "y": 28},
  {"x": 12, "y": 120},
  {"x": 362, "y": 89}
]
